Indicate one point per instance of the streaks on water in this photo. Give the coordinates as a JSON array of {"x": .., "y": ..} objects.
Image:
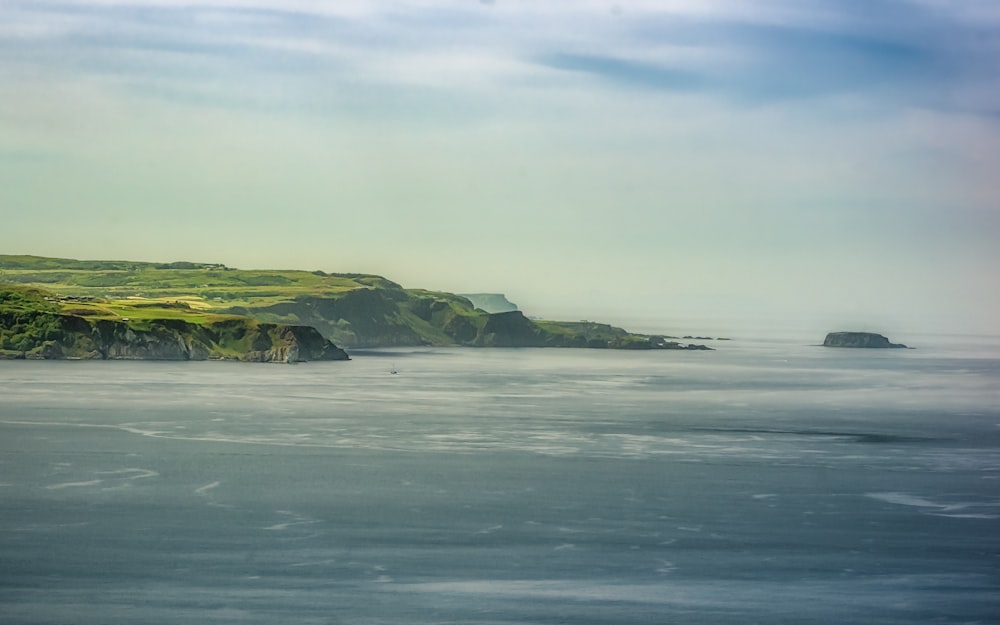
[
  {"x": 201, "y": 490},
  {"x": 978, "y": 509},
  {"x": 292, "y": 519},
  {"x": 115, "y": 479},
  {"x": 74, "y": 484}
]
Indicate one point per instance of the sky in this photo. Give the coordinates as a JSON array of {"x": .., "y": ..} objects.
[{"x": 672, "y": 164}]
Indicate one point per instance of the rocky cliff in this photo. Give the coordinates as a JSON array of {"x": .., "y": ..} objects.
[
  {"x": 859, "y": 339},
  {"x": 46, "y": 335}
]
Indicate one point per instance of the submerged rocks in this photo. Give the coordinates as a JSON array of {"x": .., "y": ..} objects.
[{"x": 859, "y": 339}]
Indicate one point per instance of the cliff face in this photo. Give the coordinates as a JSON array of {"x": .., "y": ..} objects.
[
  {"x": 859, "y": 339},
  {"x": 388, "y": 318},
  {"x": 510, "y": 329},
  {"x": 293, "y": 344},
  {"x": 359, "y": 318},
  {"x": 117, "y": 341},
  {"x": 47, "y": 335}
]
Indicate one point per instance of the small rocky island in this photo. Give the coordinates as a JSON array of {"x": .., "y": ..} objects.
[{"x": 859, "y": 339}]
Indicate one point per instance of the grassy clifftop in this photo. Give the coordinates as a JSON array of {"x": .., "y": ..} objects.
[{"x": 351, "y": 310}]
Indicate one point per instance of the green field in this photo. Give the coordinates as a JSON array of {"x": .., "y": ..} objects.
[{"x": 208, "y": 287}]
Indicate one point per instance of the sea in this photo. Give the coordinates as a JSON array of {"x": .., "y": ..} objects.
[{"x": 768, "y": 481}]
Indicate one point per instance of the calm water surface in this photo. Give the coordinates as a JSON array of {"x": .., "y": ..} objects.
[{"x": 760, "y": 483}]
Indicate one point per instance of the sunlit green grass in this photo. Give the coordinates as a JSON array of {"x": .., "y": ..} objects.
[
  {"x": 136, "y": 312},
  {"x": 145, "y": 290}
]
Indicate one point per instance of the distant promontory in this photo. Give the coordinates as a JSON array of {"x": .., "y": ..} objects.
[
  {"x": 859, "y": 339},
  {"x": 490, "y": 302},
  {"x": 53, "y": 308}
]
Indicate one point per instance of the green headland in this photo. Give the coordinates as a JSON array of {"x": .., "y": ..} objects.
[{"x": 62, "y": 308}]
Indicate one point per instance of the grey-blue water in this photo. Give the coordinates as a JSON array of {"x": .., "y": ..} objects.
[{"x": 760, "y": 483}]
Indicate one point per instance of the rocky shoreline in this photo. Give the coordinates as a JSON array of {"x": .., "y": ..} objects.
[{"x": 68, "y": 337}]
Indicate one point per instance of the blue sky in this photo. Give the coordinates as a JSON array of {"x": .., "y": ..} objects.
[{"x": 818, "y": 164}]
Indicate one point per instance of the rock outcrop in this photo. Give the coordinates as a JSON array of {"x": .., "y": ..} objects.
[
  {"x": 859, "y": 339},
  {"x": 69, "y": 336}
]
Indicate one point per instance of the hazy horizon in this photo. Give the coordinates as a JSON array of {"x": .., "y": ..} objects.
[{"x": 822, "y": 165}]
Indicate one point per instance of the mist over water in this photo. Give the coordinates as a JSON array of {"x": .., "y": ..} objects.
[{"x": 764, "y": 482}]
